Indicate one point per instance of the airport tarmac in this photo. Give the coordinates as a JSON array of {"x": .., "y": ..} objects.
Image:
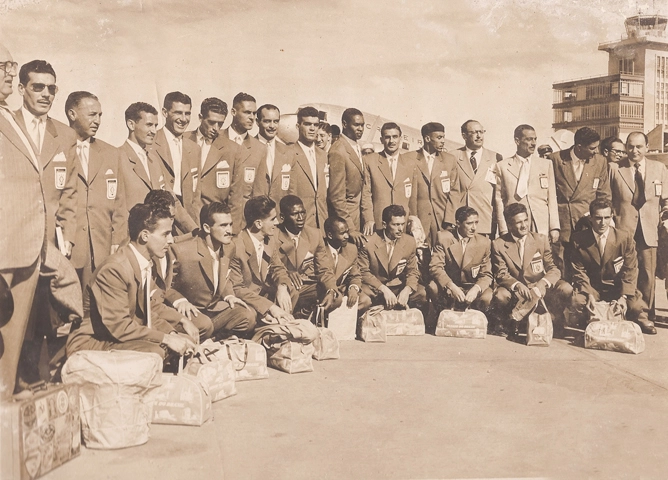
[{"x": 425, "y": 408}]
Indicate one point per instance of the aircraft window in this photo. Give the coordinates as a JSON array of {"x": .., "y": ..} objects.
[{"x": 405, "y": 146}]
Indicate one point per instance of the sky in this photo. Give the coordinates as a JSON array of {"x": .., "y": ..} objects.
[{"x": 408, "y": 60}]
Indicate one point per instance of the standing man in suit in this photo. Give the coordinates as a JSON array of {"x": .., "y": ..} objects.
[
  {"x": 528, "y": 179},
  {"x": 346, "y": 174},
  {"x": 639, "y": 193},
  {"x": 389, "y": 179},
  {"x": 613, "y": 149},
  {"x": 212, "y": 115},
  {"x": 310, "y": 172},
  {"x": 101, "y": 212},
  {"x": 251, "y": 154},
  {"x": 178, "y": 156},
  {"x": 388, "y": 264},
  {"x": 605, "y": 267},
  {"x": 22, "y": 238},
  {"x": 323, "y": 137},
  {"x": 437, "y": 183},
  {"x": 274, "y": 174},
  {"x": 477, "y": 175}
]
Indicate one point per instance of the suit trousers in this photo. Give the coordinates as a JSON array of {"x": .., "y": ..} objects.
[
  {"x": 91, "y": 343},
  {"x": 417, "y": 298},
  {"x": 636, "y": 306},
  {"x": 646, "y": 269},
  {"x": 557, "y": 298},
  {"x": 203, "y": 324},
  {"x": 238, "y": 321},
  {"x": 442, "y": 298}
]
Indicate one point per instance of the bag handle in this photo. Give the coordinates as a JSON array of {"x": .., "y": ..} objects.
[{"x": 229, "y": 355}]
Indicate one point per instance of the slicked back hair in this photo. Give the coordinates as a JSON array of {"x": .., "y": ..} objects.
[
  {"x": 519, "y": 130},
  {"x": 599, "y": 204},
  {"x": 267, "y": 106},
  {"x": 331, "y": 221},
  {"x": 241, "y": 97},
  {"x": 307, "y": 112},
  {"x": 349, "y": 113},
  {"x": 289, "y": 202},
  {"x": 173, "y": 97},
  {"x": 212, "y": 104},
  {"x": 393, "y": 211},
  {"x": 161, "y": 198},
  {"x": 514, "y": 209},
  {"x": 463, "y": 213},
  {"x": 36, "y": 66},
  {"x": 145, "y": 217},
  {"x": 133, "y": 112},
  {"x": 389, "y": 126},
  {"x": 586, "y": 136},
  {"x": 431, "y": 127},
  {"x": 74, "y": 98},
  {"x": 258, "y": 208},
  {"x": 208, "y": 211}
]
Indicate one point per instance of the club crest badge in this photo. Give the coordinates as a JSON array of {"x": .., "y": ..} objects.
[
  {"x": 112, "y": 187},
  {"x": 60, "y": 177}
]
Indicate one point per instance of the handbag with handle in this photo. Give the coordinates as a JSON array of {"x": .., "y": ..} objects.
[
  {"x": 605, "y": 311},
  {"x": 467, "y": 324},
  {"x": 326, "y": 345},
  {"x": 372, "y": 326},
  {"x": 539, "y": 327},
  {"x": 249, "y": 358},
  {"x": 624, "y": 337},
  {"x": 217, "y": 373},
  {"x": 292, "y": 357}
]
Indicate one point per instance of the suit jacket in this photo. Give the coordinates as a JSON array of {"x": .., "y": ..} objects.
[
  {"x": 474, "y": 267},
  {"x": 250, "y": 284},
  {"x": 22, "y": 205},
  {"x": 622, "y": 185},
  {"x": 380, "y": 190},
  {"x": 537, "y": 261},
  {"x": 377, "y": 269},
  {"x": 160, "y": 153},
  {"x": 437, "y": 196},
  {"x": 346, "y": 179},
  {"x": 573, "y": 197},
  {"x": 541, "y": 199},
  {"x": 59, "y": 176},
  {"x": 347, "y": 270},
  {"x": 278, "y": 185},
  {"x": 311, "y": 259},
  {"x": 477, "y": 189},
  {"x": 302, "y": 184},
  {"x": 102, "y": 217},
  {"x": 251, "y": 154},
  {"x": 616, "y": 271}
]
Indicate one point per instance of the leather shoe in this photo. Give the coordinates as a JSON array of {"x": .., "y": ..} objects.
[{"x": 647, "y": 326}]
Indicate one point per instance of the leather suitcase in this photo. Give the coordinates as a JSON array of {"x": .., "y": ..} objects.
[{"x": 466, "y": 324}]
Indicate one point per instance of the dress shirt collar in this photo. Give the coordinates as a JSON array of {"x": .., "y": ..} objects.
[
  {"x": 199, "y": 138},
  {"x": 265, "y": 141},
  {"x": 256, "y": 243},
  {"x": 144, "y": 263},
  {"x": 522, "y": 159},
  {"x": 353, "y": 143},
  {"x": 215, "y": 255},
  {"x": 84, "y": 143},
  {"x": 518, "y": 239},
  {"x": 603, "y": 236},
  {"x": 392, "y": 157},
  {"x": 292, "y": 235},
  {"x": 575, "y": 157},
  {"x": 29, "y": 117},
  {"x": 388, "y": 241},
  {"x": 333, "y": 250},
  {"x": 307, "y": 149},
  {"x": 475, "y": 152},
  {"x": 233, "y": 134},
  {"x": 642, "y": 164},
  {"x": 141, "y": 153}
]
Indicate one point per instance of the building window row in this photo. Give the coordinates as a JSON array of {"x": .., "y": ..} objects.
[{"x": 592, "y": 91}]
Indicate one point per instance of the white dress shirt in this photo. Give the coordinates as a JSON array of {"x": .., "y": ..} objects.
[
  {"x": 236, "y": 137},
  {"x": 393, "y": 160},
  {"x": 83, "y": 152},
  {"x": 310, "y": 156},
  {"x": 35, "y": 126},
  {"x": 204, "y": 146},
  {"x": 259, "y": 248},
  {"x": 141, "y": 153},
  {"x": 271, "y": 153},
  {"x": 176, "y": 150},
  {"x": 601, "y": 240},
  {"x": 356, "y": 147}
]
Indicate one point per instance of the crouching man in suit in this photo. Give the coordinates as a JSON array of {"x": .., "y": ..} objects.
[
  {"x": 388, "y": 264},
  {"x": 605, "y": 267},
  {"x": 522, "y": 264}
]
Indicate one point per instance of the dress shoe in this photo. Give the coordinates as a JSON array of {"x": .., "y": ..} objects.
[{"x": 647, "y": 326}]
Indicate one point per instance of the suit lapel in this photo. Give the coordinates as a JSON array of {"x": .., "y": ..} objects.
[
  {"x": 610, "y": 244},
  {"x": 250, "y": 250},
  {"x": 529, "y": 250},
  {"x": 592, "y": 248},
  {"x": 50, "y": 144},
  {"x": 302, "y": 161},
  {"x": 513, "y": 167},
  {"x": 343, "y": 263},
  {"x": 381, "y": 254},
  {"x": 137, "y": 166},
  {"x": 422, "y": 165},
  {"x": 456, "y": 252},
  {"x": 403, "y": 171},
  {"x": 352, "y": 154},
  {"x": 223, "y": 274},
  {"x": 384, "y": 166},
  {"x": 566, "y": 162},
  {"x": 513, "y": 252},
  {"x": 162, "y": 150},
  {"x": 94, "y": 160},
  {"x": 650, "y": 176},
  {"x": 205, "y": 260},
  {"x": 141, "y": 292},
  {"x": 626, "y": 172},
  {"x": 288, "y": 248},
  {"x": 465, "y": 164},
  {"x": 8, "y": 130}
]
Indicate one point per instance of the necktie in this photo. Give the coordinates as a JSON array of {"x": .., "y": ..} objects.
[
  {"x": 393, "y": 166},
  {"x": 335, "y": 254},
  {"x": 520, "y": 248},
  {"x": 312, "y": 162},
  {"x": 465, "y": 242},
  {"x": 177, "y": 166},
  {"x": 638, "y": 199},
  {"x": 578, "y": 166},
  {"x": 601, "y": 245},
  {"x": 474, "y": 162},
  {"x": 523, "y": 181},
  {"x": 430, "y": 162},
  {"x": 358, "y": 151},
  {"x": 147, "y": 288},
  {"x": 239, "y": 140},
  {"x": 36, "y": 133},
  {"x": 390, "y": 250},
  {"x": 270, "y": 158},
  {"x": 82, "y": 153}
]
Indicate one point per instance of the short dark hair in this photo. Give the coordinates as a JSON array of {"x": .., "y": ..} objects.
[
  {"x": 586, "y": 136},
  {"x": 331, "y": 221},
  {"x": 145, "y": 217},
  {"x": 307, "y": 112},
  {"x": 393, "y": 211},
  {"x": 336, "y": 131},
  {"x": 176, "y": 97},
  {"x": 466, "y": 123},
  {"x": 36, "y": 66},
  {"x": 134, "y": 111},
  {"x": 463, "y": 213},
  {"x": 258, "y": 208},
  {"x": 74, "y": 98},
  {"x": 637, "y": 133},
  {"x": 606, "y": 143},
  {"x": 326, "y": 127},
  {"x": 599, "y": 204},
  {"x": 431, "y": 127},
  {"x": 266, "y": 106},
  {"x": 514, "y": 209},
  {"x": 242, "y": 97},
  {"x": 389, "y": 126},
  {"x": 289, "y": 202},
  {"x": 212, "y": 104},
  {"x": 208, "y": 211},
  {"x": 349, "y": 113},
  {"x": 161, "y": 198},
  {"x": 520, "y": 129}
]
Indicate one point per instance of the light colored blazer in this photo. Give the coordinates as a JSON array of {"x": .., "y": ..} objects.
[
  {"x": 281, "y": 175},
  {"x": 537, "y": 261},
  {"x": 473, "y": 267},
  {"x": 302, "y": 185},
  {"x": 346, "y": 179},
  {"x": 377, "y": 269},
  {"x": 312, "y": 259},
  {"x": 477, "y": 190}
]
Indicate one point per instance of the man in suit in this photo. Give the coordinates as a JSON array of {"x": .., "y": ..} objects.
[
  {"x": 212, "y": 115},
  {"x": 477, "y": 174},
  {"x": 178, "y": 156},
  {"x": 523, "y": 268},
  {"x": 310, "y": 172},
  {"x": 606, "y": 268},
  {"x": 346, "y": 266},
  {"x": 639, "y": 193},
  {"x": 437, "y": 183},
  {"x": 613, "y": 149},
  {"x": 346, "y": 174},
  {"x": 101, "y": 213},
  {"x": 274, "y": 174},
  {"x": 388, "y": 264},
  {"x": 250, "y": 156},
  {"x": 201, "y": 285},
  {"x": 261, "y": 280},
  {"x": 461, "y": 266},
  {"x": 302, "y": 251},
  {"x": 22, "y": 238},
  {"x": 528, "y": 179},
  {"x": 323, "y": 137},
  {"x": 389, "y": 179},
  {"x": 118, "y": 312}
]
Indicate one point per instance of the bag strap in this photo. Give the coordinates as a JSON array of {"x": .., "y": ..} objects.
[{"x": 243, "y": 364}]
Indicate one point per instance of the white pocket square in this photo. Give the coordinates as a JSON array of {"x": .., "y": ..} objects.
[
  {"x": 286, "y": 168},
  {"x": 109, "y": 172},
  {"x": 537, "y": 255},
  {"x": 60, "y": 157},
  {"x": 223, "y": 164}
]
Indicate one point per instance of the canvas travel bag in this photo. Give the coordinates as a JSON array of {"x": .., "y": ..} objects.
[
  {"x": 215, "y": 372},
  {"x": 539, "y": 327},
  {"x": 114, "y": 390},
  {"x": 372, "y": 326},
  {"x": 40, "y": 432},
  {"x": 467, "y": 324},
  {"x": 606, "y": 312},
  {"x": 404, "y": 322},
  {"x": 342, "y": 321},
  {"x": 624, "y": 337},
  {"x": 326, "y": 345},
  {"x": 248, "y": 357},
  {"x": 292, "y": 357}
]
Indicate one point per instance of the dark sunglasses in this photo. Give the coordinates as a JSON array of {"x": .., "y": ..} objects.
[{"x": 38, "y": 87}]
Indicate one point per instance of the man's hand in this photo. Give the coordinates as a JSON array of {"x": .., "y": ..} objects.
[
  {"x": 191, "y": 330},
  {"x": 523, "y": 291},
  {"x": 390, "y": 297},
  {"x": 187, "y": 309},
  {"x": 67, "y": 248},
  {"x": 622, "y": 304},
  {"x": 457, "y": 293},
  {"x": 472, "y": 294},
  {"x": 542, "y": 288},
  {"x": 236, "y": 302},
  {"x": 328, "y": 300},
  {"x": 353, "y": 296},
  {"x": 181, "y": 344},
  {"x": 113, "y": 249},
  {"x": 296, "y": 280},
  {"x": 403, "y": 297},
  {"x": 280, "y": 315},
  {"x": 368, "y": 228},
  {"x": 358, "y": 239},
  {"x": 554, "y": 236},
  {"x": 283, "y": 298}
]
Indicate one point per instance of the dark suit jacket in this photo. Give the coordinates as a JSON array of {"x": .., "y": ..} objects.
[
  {"x": 537, "y": 262},
  {"x": 302, "y": 185},
  {"x": 377, "y": 269},
  {"x": 474, "y": 267},
  {"x": 281, "y": 176},
  {"x": 312, "y": 259},
  {"x": 346, "y": 178},
  {"x": 616, "y": 272}
]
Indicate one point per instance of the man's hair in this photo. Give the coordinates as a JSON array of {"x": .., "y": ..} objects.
[
  {"x": 586, "y": 136},
  {"x": 393, "y": 211},
  {"x": 349, "y": 113},
  {"x": 599, "y": 204},
  {"x": 514, "y": 209},
  {"x": 266, "y": 106},
  {"x": 637, "y": 133},
  {"x": 258, "y": 208},
  {"x": 208, "y": 211},
  {"x": 36, "y": 66},
  {"x": 134, "y": 111},
  {"x": 145, "y": 217},
  {"x": 212, "y": 104},
  {"x": 326, "y": 127},
  {"x": 431, "y": 127},
  {"x": 463, "y": 213},
  {"x": 336, "y": 131},
  {"x": 466, "y": 124},
  {"x": 389, "y": 126},
  {"x": 74, "y": 99},
  {"x": 241, "y": 97},
  {"x": 606, "y": 143},
  {"x": 176, "y": 97},
  {"x": 307, "y": 112},
  {"x": 289, "y": 202},
  {"x": 331, "y": 221},
  {"x": 520, "y": 129},
  {"x": 161, "y": 198}
]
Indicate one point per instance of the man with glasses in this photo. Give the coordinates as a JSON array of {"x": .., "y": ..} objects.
[{"x": 613, "y": 149}]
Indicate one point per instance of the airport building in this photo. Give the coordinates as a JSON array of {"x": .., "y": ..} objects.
[{"x": 633, "y": 96}]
